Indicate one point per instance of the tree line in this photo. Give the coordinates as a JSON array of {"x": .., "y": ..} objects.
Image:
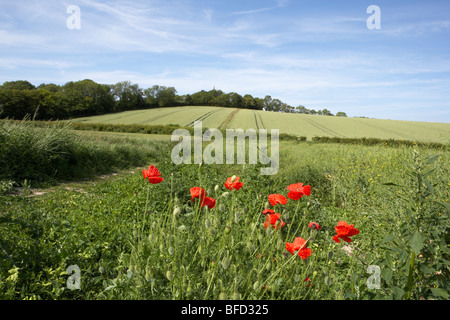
[{"x": 86, "y": 98}]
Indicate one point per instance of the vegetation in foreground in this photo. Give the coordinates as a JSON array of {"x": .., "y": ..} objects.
[{"x": 133, "y": 239}]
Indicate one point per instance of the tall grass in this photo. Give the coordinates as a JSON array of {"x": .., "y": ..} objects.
[{"x": 48, "y": 152}]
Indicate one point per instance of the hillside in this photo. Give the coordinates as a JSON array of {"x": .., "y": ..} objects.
[{"x": 289, "y": 123}]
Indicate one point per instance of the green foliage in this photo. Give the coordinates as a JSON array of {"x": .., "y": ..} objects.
[
  {"x": 133, "y": 240},
  {"x": 39, "y": 152}
]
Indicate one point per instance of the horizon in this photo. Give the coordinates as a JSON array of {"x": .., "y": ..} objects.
[{"x": 317, "y": 54}]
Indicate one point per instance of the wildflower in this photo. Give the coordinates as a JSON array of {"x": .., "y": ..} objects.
[
  {"x": 314, "y": 226},
  {"x": 297, "y": 190},
  {"x": 209, "y": 202},
  {"x": 308, "y": 280},
  {"x": 231, "y": 183},
  {"x": 268, "y": 211},
  {"x": 345, "y": 231},
  {"x": 153, "y": 175},
  {"x": 197, "y": 192},
  {"x": 272, "y": 219},
  {"x": 277, "y": 198},
  {"x": 299, "y": 245}
]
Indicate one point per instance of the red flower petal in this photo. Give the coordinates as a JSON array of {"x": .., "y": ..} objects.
[
  {"x": 209, "y": 202},
  {"x": 233, "y": 185},
  {"x": 197, "y": 192},
  {"x": 294, "y": 195},
  {"x": 268, "y": 211},
  {"x": 277, "y": 198},
  {"x": 298, "y": 187},
  {"x": 314, "y": 225}
]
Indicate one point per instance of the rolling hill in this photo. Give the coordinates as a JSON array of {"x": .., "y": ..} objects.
[{"x": 294, "y": 124}]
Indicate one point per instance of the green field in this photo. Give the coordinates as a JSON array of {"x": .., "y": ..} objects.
[
  {"x": 294, "y": 124},
  {"x": 131, "y": 239}
]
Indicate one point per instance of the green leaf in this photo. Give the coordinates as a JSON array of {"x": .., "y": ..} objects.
[
  {"x": 388, "y": 238},
  {"x": 432, "y": 159},
  {"x": 439, "y": 292},
  {"x": 416, "y": 242},
  {"x": 398, "y": 292}
]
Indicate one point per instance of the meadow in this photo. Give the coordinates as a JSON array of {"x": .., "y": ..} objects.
[{"x": 133, "y": 239}]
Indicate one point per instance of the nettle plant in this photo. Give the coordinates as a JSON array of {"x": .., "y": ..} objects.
[{"x": 416, "y": 251}]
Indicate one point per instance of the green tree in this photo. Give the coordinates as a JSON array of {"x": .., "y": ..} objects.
[{"x": 18, "y": 85}]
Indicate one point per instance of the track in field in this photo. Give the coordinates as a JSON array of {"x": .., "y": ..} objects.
[
  {"x": 260, "y": 120},
  {"x": 159, "y": 117},
  {"x": 201, "y": 118},
  {"x": 323, "y": 128}
]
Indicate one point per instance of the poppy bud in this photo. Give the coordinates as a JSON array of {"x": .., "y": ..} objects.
[
  {"x": 315, "y": 273},
  {"x": 222, "y": 296},
  {"x": 207, "y": 224},
  {"x": 176, "y": 211},
  {"x": 233, "y": 178},
  {"x": 171, "y": 251},
  {"x": 256, "y": 286},
  {"x": 169, "y": 275},
  {"x": 227, "y": 229},
  {"x": 216, "y": 188},
  {"x": 225, "y": 263},
  {"x": 235, "y": 296},
  {"x": 266, "y": 205}
]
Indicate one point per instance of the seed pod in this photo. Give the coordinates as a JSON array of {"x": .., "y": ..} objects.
[
  {"x": 169, "y": 275},
  {"x": 225, "y": 263}
]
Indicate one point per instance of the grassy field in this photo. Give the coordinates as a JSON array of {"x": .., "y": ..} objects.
[
  {"x": 131, "y": 239},
  {"x": 294, "y": 124}
]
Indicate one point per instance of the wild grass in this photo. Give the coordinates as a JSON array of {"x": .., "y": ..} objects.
[{"x": 134, "y": 240}]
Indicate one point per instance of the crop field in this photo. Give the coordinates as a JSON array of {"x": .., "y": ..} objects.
[
  {"x": 373, "y": 225},
  {"x": 294, "y": 124},
  {"x": 211, "y": 117}
]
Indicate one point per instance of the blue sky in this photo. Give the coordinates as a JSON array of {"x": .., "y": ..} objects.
[{"x": 315, "y": 53}]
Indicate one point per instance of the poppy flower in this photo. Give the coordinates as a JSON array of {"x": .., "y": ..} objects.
[
  {"x": 197, "y": 192},
  {"x": 299, "y": 245},
  {"x": 231, "y": 184},
  {"x": 314, "y": 226},
  {"x": 307, "y": 279},
  {"x": 297, "y": 190},
  {"x": 344, "y": 231},
  {"x": 272, "y": 219},
  {"x": 209, "y": 202},
  {"x": 152, "y": 174},
  {"x": 268, "y": 211},
  {"x": 277, "y": 198}
]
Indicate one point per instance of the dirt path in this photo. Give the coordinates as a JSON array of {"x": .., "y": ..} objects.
[{"x": 224, "y": 124}]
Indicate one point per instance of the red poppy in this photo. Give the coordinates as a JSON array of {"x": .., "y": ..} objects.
[
  {"x": 345, "y": 231},
  {"x": 152, "y": 174},
  {"x": 299, "y": 245},
  {"x": 297, "y": 190},
  {"x": 308, "y": 280},
  {"x": 314, "y": 226},
  {"x": 277, "y": 198},
  {"x": 272, "y": 219},
  {"x": 210, "y": 202},
  {"x": 266, "y": 211},
  {"x": 230, "y": 185},
  {"x": 197, "y": 192}
]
